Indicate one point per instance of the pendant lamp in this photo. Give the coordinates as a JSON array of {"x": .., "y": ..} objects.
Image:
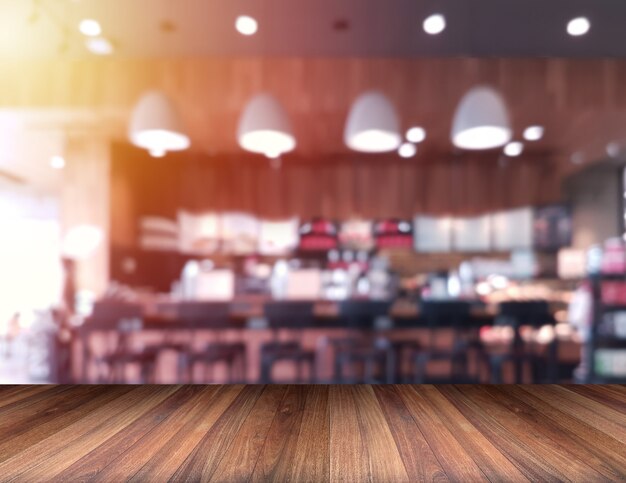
[
  {"x": 264, "y": 127},
  {"x": 156, "y": 125},
  {"x": 481, "y": 120},
  {"x": 372, "y": 125}
]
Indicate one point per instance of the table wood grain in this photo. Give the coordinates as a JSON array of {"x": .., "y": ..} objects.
[{"x": 313, "y": 433}]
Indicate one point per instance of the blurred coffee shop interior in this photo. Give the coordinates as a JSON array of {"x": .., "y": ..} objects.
[{"x": 312, "y": 192}]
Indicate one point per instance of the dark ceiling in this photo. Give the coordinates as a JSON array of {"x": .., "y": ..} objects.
[{"x": 387, "y": 28}]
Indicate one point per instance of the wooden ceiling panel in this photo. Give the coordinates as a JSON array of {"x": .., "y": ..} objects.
[{"x": 582, "y": 103}]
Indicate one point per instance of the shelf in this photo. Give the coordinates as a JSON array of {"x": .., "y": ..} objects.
[
  {"x": 609, "y": 342},
  {"x": 613, "y": 307},
  {"x": 605, "y": 277},
  {"x": 607, "y": 380}
]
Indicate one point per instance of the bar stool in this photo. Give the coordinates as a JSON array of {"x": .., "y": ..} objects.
[
  {"x": 214, "y": 316},
  {"x": 402, "y": 352},
  {"x": 293, "y": 316},
  {"x": 533, "y": 313},
  {"x": 454, "y": 315},
  {"x": 365, "y": 357},
  {"x": 127, "y": 319}
]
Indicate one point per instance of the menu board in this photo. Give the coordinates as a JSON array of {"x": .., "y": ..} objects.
[
  {"x": 393, "y": 233},
  {"x": 357, "y": 235},
  {"x": 278, "y": 237},
  {"x": 552, "y": 227},
  {"x": 512, "y": 229},
  {"x": 433, "y": 234},
  {"x": 472, "y": 234},
  {"x": 571, "y": 263},
  {"x": 318, "y": 235},
  {"x": 239, "y": 233},
  {"x": 198, "y": 233}
]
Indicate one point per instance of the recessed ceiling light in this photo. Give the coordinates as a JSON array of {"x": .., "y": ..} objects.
[
  {"x": 90, "y": 27},
  {"x": 407, "y": 150},
  {"x": 416, "y": 134},
  {"x": 578, "y": 157},
  {"x": 57, "y": 162},
  {"x": 434, "y": 24},
  {"x": 533, "y": 133},
  {"x": 246, "y": 25},
  {"x": 613, "y": 149},
  {"x": 513, "y": 148},
  {"x": 578, "y": 26},
  {"x": 99, "y": 45}
]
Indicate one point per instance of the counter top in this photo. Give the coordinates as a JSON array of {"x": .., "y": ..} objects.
[{"x": 313, "y": 433}]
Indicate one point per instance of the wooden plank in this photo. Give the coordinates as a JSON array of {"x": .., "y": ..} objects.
[
  {"x": 21, "y": 419},
  {"x": 25, "y": 407},
  {"x": 455, "y": 460},
  {"x": 52, "y": 419},
  {"x": 606, "y": 397},
  {"x": 618, "y": 416},
  {"x": 385, "y": 463},
  {"x": 312, "y": 461},
  {"x": 203, "y": 461},
  {"x": 546, "y": 453},
  {"x": 348, "y": 453},
  {"x": 314, "y": 433},
  {"x": 611, "y": 452},
  {"x": 491, "y": 461},
  {"x": 241, "y": 457},
  {"x": 596, "y": 415},
  {"x": 117, "y": 450},
  {"x": 419, "y": 460},
  {"x": 537, "y": 423},
  {"x": 52, "y": 455},
  {"x": 10, "y": 394},
  {"x": 521, "y": 453},
  {"x": 279, "y": 450},
  {"x": 178, "y": 442}
]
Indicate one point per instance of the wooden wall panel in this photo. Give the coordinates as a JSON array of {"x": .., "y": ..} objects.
[
  {"x": 339, "y": 187},
  {"x": 579, "y": 101}
]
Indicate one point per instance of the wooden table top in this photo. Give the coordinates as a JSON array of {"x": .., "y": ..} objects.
[{"x": 313, "y": 433}]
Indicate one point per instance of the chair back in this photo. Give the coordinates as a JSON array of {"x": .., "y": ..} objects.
[
  {"x": 204, "y": 314},
  {"x": 527, "y": 312},
  {"x": 124, "y": 316},
  {"x": 363, "y": 313},
  {"x": 446, "y": 313},
  {"x": 286, "y": 314}
]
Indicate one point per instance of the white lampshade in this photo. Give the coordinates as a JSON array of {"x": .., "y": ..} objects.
[
  {"x": 155, "y": 125},
  {"x": 481, "y": 120},
  {"x": 372, "y": 125},
  {"x": 264, "y": 127}
]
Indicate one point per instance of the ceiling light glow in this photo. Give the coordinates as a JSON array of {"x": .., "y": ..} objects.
[
  {"x": 99, "y": 45},
  {"x": 416, "y": 134},
  {"x": 246, "y": 25},
  {"x": 57, "y": 162},
  {"x": 513, "y": 148},
  {"x": 434, "y": 24},
  {"x": 613, "y": 149},
  {"x": 578, "y": 26},
  {"x": 407, "y": 150},
  {"x": 578, "y": 157},
  {"x": 89, "y": 27},
  {"x": 533, "y": 133}
]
